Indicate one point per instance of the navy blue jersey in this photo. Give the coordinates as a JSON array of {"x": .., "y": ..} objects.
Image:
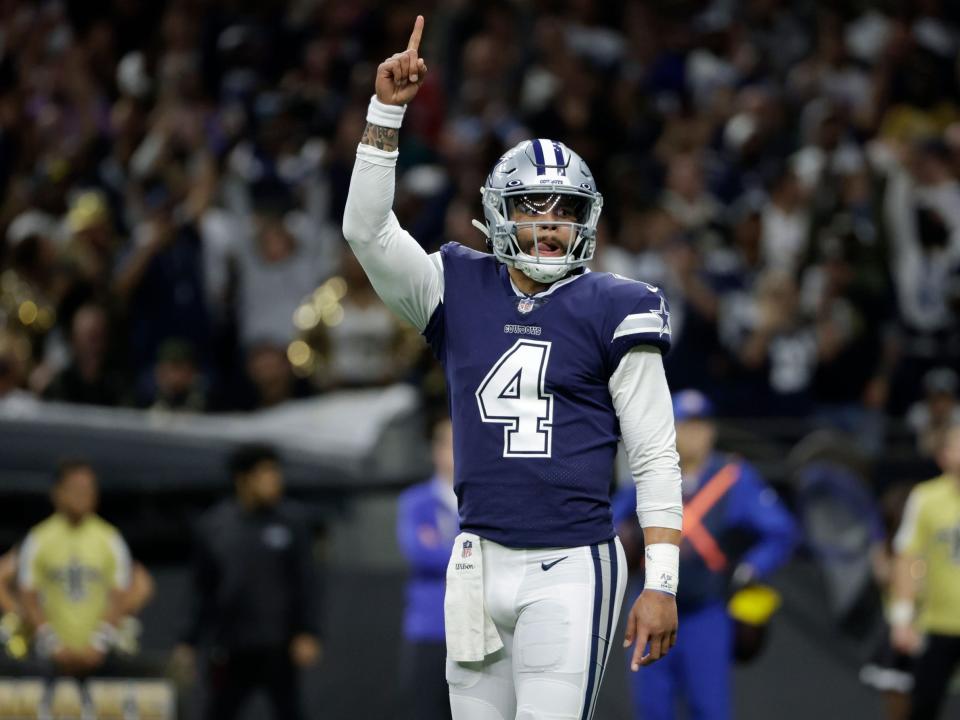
[{"x": 534, "y": 428}]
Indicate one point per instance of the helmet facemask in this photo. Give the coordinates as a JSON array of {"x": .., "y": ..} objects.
[{"x": 519, "y": 239}]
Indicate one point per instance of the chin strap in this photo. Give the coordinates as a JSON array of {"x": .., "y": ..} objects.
[{"x": 481, "y": 227}]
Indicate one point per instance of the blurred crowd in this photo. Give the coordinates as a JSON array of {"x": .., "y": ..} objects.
[{"x": 173, "y": 175}]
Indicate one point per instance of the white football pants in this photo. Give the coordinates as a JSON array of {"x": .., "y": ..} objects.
[{"x": 556, "y": 610}]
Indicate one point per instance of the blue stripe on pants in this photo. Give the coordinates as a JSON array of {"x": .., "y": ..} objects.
[
  {"x": 614, "y": 561},
  {"x": 595, "y": 629}
]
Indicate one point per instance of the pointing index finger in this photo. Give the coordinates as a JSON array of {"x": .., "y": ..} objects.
[{"x": 414, "y": 43}]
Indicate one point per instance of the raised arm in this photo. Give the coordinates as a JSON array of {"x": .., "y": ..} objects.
[{"x": 409, "y": 281}]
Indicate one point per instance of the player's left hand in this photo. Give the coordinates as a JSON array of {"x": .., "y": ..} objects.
[
  {"x": 304, "y": 650},
  {"x": 653, "y": 621}
]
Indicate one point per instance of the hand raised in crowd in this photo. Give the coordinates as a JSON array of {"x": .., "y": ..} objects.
[{"x": 400, "y": 76}]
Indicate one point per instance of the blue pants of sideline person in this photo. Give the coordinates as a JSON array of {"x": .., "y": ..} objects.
[{"x": 697, "y": 671}]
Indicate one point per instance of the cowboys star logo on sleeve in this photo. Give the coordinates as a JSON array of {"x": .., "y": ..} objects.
[{"x": 664, "y": 316}]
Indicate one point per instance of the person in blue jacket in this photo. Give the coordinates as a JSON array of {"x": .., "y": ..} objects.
[
  {"x": 736, "y": 532},
  {"x": 427, "y": 525}
]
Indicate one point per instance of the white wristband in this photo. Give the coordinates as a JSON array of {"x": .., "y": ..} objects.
[
  {"x": 388, "y": 116},
  {"x": 900, "y": 613},
  {"x": 662, "y": 567}
]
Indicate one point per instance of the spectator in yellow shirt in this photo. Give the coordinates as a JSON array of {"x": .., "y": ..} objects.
[
  {"x": 924, "y": 614},
  {"x": 74, "y": 572}
]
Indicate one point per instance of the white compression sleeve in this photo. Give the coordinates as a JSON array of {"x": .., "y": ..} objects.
[
  {"x": 641, "y": 398},
  {"x": 409, "y": 281}
]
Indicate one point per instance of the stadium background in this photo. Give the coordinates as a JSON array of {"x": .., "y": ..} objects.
[{"x": 173, "y": 279}]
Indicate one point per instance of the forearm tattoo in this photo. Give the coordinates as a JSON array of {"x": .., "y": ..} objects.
[{"x": 381, "y": 138}]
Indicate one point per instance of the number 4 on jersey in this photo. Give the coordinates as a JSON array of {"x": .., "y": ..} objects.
[{"x": 512, "y": 394}]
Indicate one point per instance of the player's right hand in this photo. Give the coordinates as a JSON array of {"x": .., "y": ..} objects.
[
  {"x": 400, "y": 76},
  {"x": 652, "y": 623}
]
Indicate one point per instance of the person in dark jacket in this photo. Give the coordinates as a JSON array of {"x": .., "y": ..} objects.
[
  {"x": 427, "y": 525},
  {"x": 736, "y": 532},
  {"x": 254, "y": 587}
]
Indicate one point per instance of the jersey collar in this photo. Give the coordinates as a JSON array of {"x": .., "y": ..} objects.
[{"x": 555, "y": 286}]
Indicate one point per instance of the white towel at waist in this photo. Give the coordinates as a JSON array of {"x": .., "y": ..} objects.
[{"x": 470, "y": 631}]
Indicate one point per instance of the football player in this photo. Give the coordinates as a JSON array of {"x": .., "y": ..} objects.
[{"x": 546, "y": 365}]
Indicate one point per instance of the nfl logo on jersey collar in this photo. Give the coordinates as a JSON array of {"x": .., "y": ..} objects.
[{"x": 526, "y": 305}]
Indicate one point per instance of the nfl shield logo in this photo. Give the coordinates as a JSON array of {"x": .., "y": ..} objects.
[
  {"x": 526, "y": 305},
  {"x": 467, "y": 549}
]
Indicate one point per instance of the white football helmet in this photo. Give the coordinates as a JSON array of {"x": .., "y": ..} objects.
[{"x": 540, "y": 177}]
